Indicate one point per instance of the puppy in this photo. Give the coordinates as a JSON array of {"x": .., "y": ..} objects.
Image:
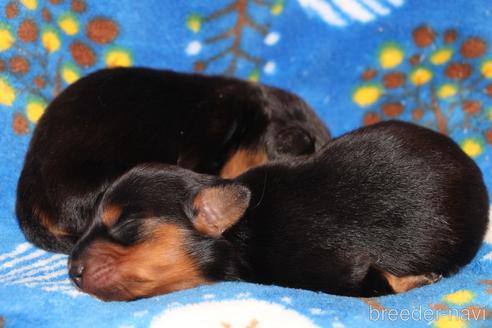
[
  {"x": 112, "y": 120},
  {"x": 380, "y": 210}
]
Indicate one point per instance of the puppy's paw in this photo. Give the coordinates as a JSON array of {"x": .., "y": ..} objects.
[
  {"x": 406, "y": 283},
  {"x": 432, "y": 278}
]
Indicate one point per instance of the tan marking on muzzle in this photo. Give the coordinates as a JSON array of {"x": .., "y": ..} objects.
[{"x": 160, "y": 264}]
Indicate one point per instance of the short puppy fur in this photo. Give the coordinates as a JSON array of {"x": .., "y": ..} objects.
[
  {"x": 380, "y": 210},
  {"x": 112, "y": 120}
]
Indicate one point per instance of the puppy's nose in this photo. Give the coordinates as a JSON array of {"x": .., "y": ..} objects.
[{"x": 75, "y": 271}]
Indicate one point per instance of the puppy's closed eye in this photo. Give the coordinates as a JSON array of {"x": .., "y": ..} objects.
[{"x": 127, "y": 231}]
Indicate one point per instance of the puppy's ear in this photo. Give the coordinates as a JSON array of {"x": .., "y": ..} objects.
[
  {"x": 218, "y": 208},
  {"x": 291, "y": 141}
]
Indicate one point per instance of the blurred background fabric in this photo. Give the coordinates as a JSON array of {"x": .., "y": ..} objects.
[{"x": 355, "y": 61}]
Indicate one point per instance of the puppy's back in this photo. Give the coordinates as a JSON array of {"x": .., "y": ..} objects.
[{"x": 411, "y": 191}]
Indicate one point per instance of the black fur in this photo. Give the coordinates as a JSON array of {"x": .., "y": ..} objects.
[
  {"x": 392, "y": 197},
  {"x": 112, "y": 120}
]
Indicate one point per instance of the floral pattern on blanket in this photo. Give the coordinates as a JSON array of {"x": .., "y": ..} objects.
[{"x": 46, "y": 46}]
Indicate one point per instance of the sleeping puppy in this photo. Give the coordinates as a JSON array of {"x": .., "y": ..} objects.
[
  {"x": 112, "y": 120},
  {"x": 380, "y": 210}
]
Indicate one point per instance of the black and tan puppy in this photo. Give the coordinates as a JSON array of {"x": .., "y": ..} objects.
[
  {"x": 112, "y": 120},
  {"x": 380, "y": 210}
]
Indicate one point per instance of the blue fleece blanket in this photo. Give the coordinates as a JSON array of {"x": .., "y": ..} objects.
[{"x": 355, "y": 61}]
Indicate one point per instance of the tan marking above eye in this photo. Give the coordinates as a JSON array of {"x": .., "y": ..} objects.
[
  {"x": 241, "y": 161},
  {"x": 110, "y": 215}
]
